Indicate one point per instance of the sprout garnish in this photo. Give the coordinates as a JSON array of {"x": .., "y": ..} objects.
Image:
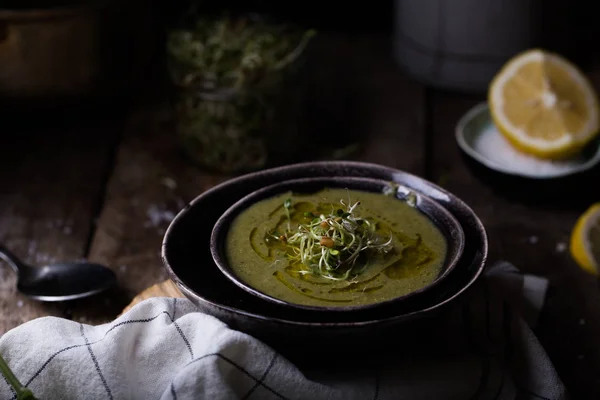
[{"x": 330, "y": 245}]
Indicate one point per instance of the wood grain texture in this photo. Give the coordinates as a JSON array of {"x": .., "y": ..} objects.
[
  {"x": 163, "y": 289},
  {"x": 534, "y": 238},
  {"x": 150, "y": 182},
  {"x": 359, "y": 91},
  {"x": 52, "y": 185},
  {"x": 51, "y": 177}
]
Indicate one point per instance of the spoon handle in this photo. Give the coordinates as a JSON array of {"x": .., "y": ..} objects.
[{"x": 10, "y": 258}]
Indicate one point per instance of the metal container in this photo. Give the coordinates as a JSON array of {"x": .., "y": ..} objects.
[
  {"x": 461, "y": 44},
  {"x": 88, "y": 48}
]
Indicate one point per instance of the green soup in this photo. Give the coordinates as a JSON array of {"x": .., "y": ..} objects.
[{"x": 413, "y": 260}]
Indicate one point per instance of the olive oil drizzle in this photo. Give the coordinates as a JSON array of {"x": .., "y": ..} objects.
[
  {"x": 413, "y": 253},
  {"x": 304, "y": 291}
]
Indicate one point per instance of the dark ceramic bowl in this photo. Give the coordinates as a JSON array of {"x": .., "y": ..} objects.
[
  {"x": 442, "y": 218},
  {"x": 188, "y": 260}
]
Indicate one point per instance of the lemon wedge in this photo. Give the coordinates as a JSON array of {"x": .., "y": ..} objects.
[
  {"x": 544, "y": 105},
  {"x": 585, "y": 240}
]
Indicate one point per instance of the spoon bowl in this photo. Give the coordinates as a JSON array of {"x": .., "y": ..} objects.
[
  {"x": 66, "y": 281},
  {"x": 60, "y": 281}
]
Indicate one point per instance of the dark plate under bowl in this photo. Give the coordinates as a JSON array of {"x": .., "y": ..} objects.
[
  {"x": 442, "y": 218},
  {"x": 187, "y": 258}
]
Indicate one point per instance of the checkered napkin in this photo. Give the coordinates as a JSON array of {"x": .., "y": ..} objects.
[{"x": 163, "y": 348}]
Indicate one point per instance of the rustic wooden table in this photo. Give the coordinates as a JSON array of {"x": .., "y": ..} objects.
[{"x": 106, "y": 189}]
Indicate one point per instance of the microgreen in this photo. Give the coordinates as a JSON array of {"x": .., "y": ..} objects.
[
  {"x": 21, "y": 391},
  {"x": 287, "y": 204},
  {"x": 391, "y": 189},
  {"x": 330, "y": 245}
]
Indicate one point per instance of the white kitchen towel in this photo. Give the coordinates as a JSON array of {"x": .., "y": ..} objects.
[{"x": 163, "y": 348}]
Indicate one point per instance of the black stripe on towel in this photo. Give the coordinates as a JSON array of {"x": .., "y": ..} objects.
[
  {"x": 137, "y": 321},
  {"x": 376, "y": 392},
  {"x": 262, "y": 378},
  {"x": 173, "y": 393},
  {"x": 142, "y": 321},
  {"x": 241, "y": 369},
  {"x": 89, "y": 347},
  {"x": 122, "y": 323},
  {"x": 185, "y": 339},
  {"x": 45, "y": 364},
  {"x": 12, "y": 390}
]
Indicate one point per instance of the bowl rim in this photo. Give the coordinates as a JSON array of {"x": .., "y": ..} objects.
[
  {"x": 439, "y": 193},
  {"x": 220, "y": 229},
  {"x": 483, "y": 107}
]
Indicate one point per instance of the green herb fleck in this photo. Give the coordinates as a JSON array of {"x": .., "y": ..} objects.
[
  {"x": 391, "y": 189},
  {"x": 411, "y": 199}
]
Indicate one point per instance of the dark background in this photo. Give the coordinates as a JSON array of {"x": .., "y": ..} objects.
[
  {"x": 568, "y": 27},
  {"x": 86, "y": 174}
]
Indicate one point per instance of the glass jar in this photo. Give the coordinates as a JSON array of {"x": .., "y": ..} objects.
[{"x": 245, "y": 127}]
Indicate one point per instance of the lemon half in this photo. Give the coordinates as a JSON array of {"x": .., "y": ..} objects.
[
  {"x": 544, "y": 105},
  {"x": 585, "y": 240}
]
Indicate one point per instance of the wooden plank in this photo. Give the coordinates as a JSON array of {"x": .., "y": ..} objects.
[
  {"x": 52, "y": 177},
  {"x": 358, "y": 92},
  {"x": 150, "y": 183},
  {"x": 390, "y": 107},
  {"x": 163, "y": 289},
  {"x": 152, "y": 180},
  {"x": 534, "y": 239}
]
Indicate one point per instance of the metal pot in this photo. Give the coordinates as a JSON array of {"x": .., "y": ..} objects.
[
  {"x": 89, "y": 48},
  {"x": 441, "y": 44}
]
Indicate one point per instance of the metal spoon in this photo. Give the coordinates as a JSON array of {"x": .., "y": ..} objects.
[{"x": 61, "y": 281}]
